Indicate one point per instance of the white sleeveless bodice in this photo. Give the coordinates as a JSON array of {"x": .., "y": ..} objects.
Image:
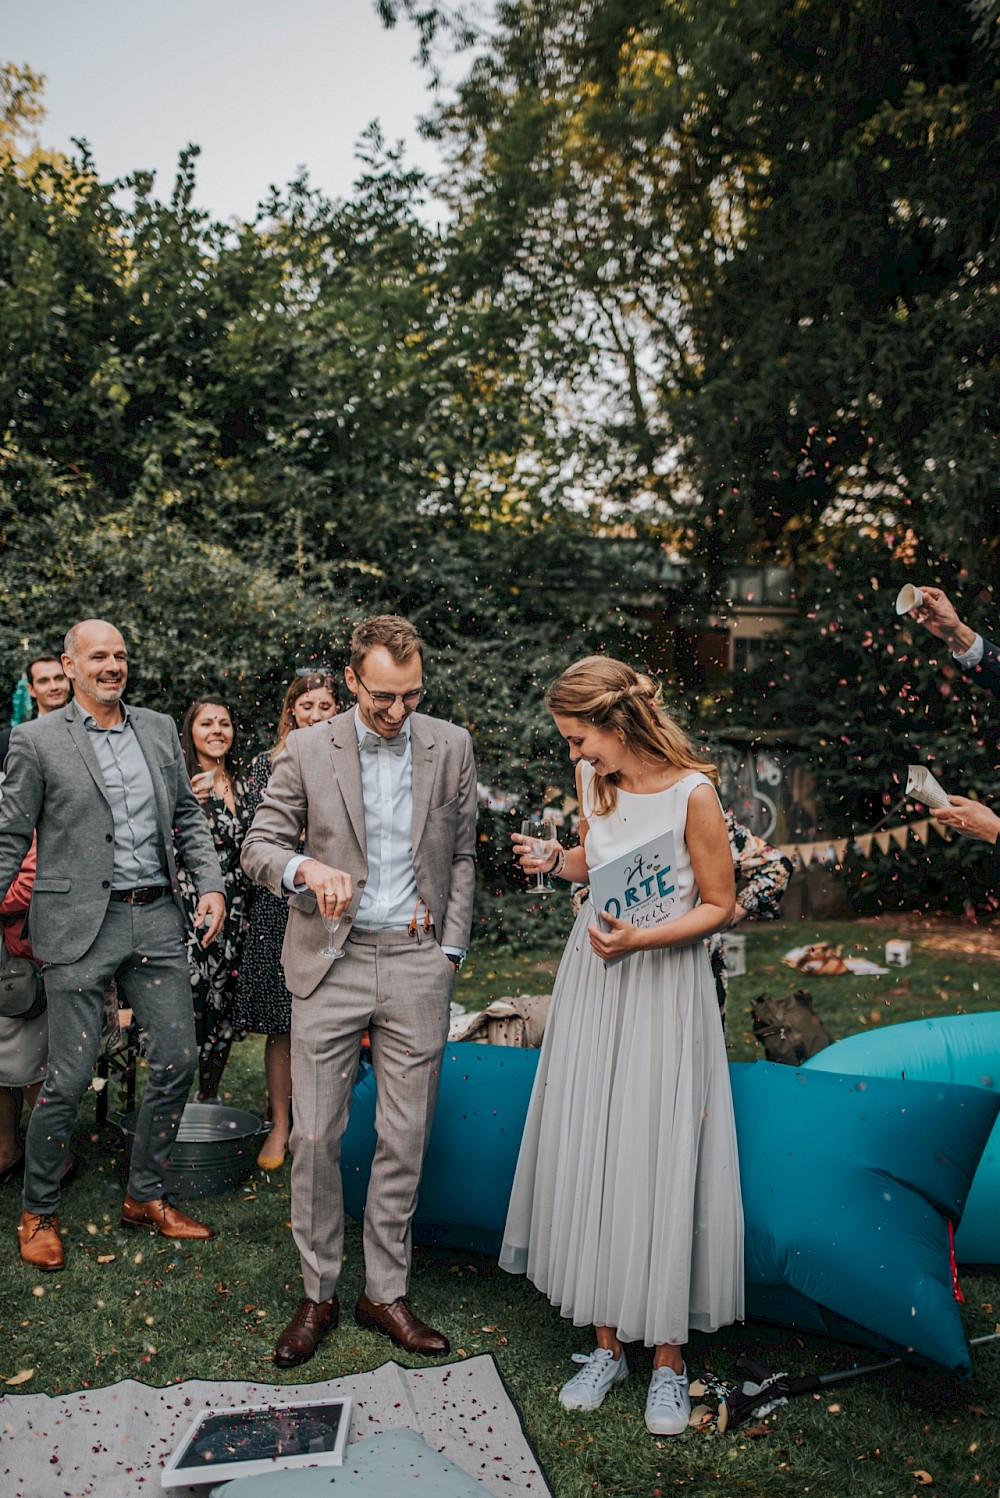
[{"x": 637, "y": 818}]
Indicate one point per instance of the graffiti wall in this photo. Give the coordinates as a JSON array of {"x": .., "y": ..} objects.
[{"x": 770, "y": 789}]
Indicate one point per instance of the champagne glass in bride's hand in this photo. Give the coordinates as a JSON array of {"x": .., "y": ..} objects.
[
  {"x": 332, "y": 924},
  {"x": 539, "y": 831}
]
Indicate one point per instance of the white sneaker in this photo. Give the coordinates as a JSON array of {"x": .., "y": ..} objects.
[
  {"x": 668, "y": 1403},
  {"x": 600, "y": 1372}
]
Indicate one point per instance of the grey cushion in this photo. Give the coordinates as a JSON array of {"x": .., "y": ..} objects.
[{"x": 386, "y": 1466}]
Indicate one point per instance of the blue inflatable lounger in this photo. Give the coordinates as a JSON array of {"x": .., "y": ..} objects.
[
  {"x": 961, "y": 1048},
  {"x": 849, "y": 1187}
]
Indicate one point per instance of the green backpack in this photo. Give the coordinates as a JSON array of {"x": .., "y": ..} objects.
[{"x": 788, "y": 1028}]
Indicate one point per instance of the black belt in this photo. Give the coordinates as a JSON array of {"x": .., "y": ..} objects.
[{"x": 144, "y": 895}]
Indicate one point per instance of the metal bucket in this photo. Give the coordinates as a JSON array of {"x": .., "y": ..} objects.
[{"x": 215, "y": 1148}]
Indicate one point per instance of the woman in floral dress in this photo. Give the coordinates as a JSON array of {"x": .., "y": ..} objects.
[{"x": 208, "y": 741}]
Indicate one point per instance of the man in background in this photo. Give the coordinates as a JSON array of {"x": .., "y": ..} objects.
[
  {"x": 48, "y": 683},
  {"x": 48, "y": 686}
]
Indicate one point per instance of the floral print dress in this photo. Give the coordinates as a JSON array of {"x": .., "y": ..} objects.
[
  {"x": 765, "y": 873},
  {"x": 214, "y": 969},
  {"x": 263, "y": 1003}
]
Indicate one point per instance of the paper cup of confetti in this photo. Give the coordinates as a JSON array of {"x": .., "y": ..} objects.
[
  {"x": 921, "y": 785},
  {"x": 909, "y": 598}
]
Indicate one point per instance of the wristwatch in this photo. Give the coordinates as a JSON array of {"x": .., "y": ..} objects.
[{"x": 456, "y": 960}]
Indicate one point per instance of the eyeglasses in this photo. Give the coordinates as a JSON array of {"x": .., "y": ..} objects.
[{"x": 384, "y": 700}]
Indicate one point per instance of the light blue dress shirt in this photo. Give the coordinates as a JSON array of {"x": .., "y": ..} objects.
[
  {"x": 390, "y": 893},
  {"x": 139, "y": 855}
]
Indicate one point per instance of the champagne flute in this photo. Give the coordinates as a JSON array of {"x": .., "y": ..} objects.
[
  {"x": 204, "y": 780},
  {"x": 332, "y": 924},
  {"x": 539, "y": 830}
]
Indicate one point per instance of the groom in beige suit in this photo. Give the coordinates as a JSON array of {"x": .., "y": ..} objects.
[{"x": 386, "y": 799}]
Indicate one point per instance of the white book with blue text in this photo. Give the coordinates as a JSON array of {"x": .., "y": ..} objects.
[{"x": 639, "y": 886}]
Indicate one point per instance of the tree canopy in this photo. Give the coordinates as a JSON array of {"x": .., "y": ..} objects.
[{"x": 719, "y": 280}]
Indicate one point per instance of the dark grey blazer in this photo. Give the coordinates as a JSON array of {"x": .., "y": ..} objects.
[
  {"x": 54, "y": 785},
  {"x": 987, "y": 673}
]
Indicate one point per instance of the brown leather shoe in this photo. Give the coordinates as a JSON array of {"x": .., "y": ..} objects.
[
  {"x": 305, "y": 1331},
  {"x": 164, "y": 1218},
  {"x": 38, "y": 1241},
  {"x": 397, "y": 1321}
]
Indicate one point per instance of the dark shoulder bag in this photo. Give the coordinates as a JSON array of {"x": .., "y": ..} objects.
[
  {"x": 788, "y": 1027},
  {"x": 22, "y": 995}
]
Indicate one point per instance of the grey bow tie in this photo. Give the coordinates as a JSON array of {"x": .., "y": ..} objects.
[{"x": 376, "y": 741}]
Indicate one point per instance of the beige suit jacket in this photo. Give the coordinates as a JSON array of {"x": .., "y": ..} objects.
[{"x": 315, "y": 788}]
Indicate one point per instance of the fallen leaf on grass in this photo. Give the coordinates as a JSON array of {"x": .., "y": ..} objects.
[
  {"x": 924, "y": 1478},
  {"x": 20, "y": 1378},
  {"x": 105, "y": 1258},
  {"x": 753, "y": 1431}
]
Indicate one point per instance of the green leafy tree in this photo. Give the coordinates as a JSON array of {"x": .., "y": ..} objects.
[{"x": 234, "y": 442}]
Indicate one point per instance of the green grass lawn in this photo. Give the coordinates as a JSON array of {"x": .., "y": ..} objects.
[{"x": 132, "y": 1305}]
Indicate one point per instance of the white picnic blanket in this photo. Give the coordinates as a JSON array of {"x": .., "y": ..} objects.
[{"x": 112, "y": 1442}]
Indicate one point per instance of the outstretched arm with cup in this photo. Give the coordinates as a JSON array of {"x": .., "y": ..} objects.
[
  {"x": 978, "y": 657},
  {"x": 971, "y": 818}
]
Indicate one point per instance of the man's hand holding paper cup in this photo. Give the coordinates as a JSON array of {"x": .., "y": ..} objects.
[
  {"x": 971, "y": 818},
  {"x": 935, "y": 611}
]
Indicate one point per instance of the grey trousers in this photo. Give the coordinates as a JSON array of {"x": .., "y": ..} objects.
[
  {"x": 143, "y": 946},
  {"x": 399, "y": 989}
]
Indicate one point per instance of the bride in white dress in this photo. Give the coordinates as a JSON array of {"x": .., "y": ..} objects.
[{"x": 626, "y": 1209}]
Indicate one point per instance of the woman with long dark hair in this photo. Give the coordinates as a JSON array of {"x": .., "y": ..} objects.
[
  {"x": 263, "y": 1003},
  {"x": 626, "y": 1208},
  {"x": 208, "y": 742}
]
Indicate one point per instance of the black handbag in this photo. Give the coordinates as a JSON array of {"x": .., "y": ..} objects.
[{"x": 22, "y": 995}]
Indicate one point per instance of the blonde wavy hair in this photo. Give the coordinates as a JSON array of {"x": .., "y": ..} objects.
[{"x": 611, "y": 695}]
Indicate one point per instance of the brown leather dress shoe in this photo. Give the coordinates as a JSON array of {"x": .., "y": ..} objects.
[
  {"x": 164, "y": 1218},
  {"x": 38, "y": 1241},
  {"x": 397, "y": 1321},
  {"x": 305, "y": 1331}
]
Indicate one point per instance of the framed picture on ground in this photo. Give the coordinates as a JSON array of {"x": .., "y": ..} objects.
[{"x": 224, "y": 1444}]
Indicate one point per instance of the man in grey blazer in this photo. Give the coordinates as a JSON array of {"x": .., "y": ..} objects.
[
  {"x": 105, "y": 788},
  {"x": 386, "y": 799}
]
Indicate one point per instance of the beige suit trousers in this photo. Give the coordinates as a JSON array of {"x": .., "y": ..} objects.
[{"x": 398, "y": 988}]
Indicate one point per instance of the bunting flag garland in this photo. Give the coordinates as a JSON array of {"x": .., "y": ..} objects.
[{"x": 834, "y": 850}]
